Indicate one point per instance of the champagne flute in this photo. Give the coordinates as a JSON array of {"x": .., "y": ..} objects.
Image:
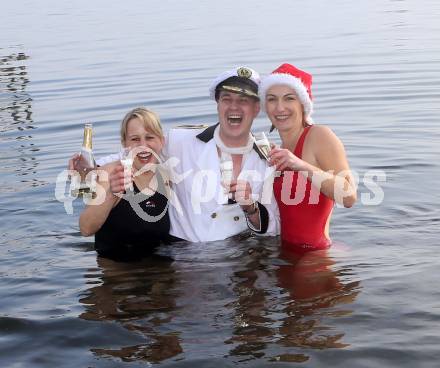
[
  {"x": 263, "y": 144},
  {"x": 226, "y": 170},
  {"x": 127, "y": 162}
]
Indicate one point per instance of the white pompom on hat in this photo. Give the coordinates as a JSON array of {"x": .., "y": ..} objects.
[
  {"x": 299, "y": 80},
  {"x": 241, "y": 80}
]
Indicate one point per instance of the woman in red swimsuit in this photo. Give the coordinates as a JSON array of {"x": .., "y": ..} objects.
[{"x": 314, "y": 169}]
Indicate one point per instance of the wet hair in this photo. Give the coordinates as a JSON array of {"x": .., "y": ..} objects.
[{"x": 149, "y": 118}]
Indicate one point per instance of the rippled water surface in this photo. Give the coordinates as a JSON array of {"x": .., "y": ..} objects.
[{"x": 372, "y": 300}]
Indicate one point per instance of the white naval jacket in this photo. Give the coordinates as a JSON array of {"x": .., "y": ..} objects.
[{"x": 197, "y": 210}]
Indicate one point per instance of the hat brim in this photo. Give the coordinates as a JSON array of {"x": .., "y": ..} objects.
[{"x": 241, "y": 91}]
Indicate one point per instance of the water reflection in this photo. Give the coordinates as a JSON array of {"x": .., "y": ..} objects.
[
  {"x": 252, "y": 302},
  {"x": 141, "y": 296},
  {"x": 316, "y": 291},
  {"x": 281, "y": 304},
  {"x": 18, "y": 151},
  {"x": 15, "y": 102}
]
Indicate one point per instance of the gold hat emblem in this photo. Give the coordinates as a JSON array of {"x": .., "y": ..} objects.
[{"x": 244, "y": 72}]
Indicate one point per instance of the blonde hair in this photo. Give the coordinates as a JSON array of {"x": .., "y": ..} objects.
[{"x": 149, "y": 118}]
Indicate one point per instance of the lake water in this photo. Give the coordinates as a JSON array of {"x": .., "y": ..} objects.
[{"x": 372, "y": 301}]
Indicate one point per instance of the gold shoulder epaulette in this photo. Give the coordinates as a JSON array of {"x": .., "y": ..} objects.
[{"x": 190, "y": 126}]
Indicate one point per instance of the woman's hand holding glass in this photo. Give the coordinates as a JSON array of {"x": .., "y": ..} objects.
[
  {"x": 283, "y": 159},
  {"x": 127, "y": 157},
  {"x": 117, "y": 179},
  {"x": 121, "y": 177}
]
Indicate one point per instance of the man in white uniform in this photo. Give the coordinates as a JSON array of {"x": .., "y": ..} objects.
[{"x": 199, "y": 210}]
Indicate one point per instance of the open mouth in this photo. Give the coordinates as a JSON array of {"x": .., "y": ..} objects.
[
  {"x": 235, "y": 119},
  {"x": 144, "y": 156},
  {"x": 281, "y": 117}
]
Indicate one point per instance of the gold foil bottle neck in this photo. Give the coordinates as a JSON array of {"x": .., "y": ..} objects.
[{"x": 88, "y": 130}]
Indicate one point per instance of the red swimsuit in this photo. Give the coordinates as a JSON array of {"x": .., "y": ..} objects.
[{"x": 304, "y": 210}]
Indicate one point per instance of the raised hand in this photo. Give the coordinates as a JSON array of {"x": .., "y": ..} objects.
[
  {"x": 74, "y": 162},
  {"x": 241, "y": 192},
  {"x": 119, "y": 179},
  {"x": 283, "y": 159}
]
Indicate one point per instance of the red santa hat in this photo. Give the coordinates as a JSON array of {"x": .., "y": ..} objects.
[{"x": 299, "y": 80}]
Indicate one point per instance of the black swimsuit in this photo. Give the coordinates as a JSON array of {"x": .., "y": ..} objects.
[{"x": 127, "y": 236}]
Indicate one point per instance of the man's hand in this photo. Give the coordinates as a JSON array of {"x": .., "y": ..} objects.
[{"x": 242, "y": 193}]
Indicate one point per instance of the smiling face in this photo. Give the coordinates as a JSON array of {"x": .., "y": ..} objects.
[
  {"x": 236, "y": 113},
  {"x": 143, "y": 142},
  {"x": 283, "y": 107}
]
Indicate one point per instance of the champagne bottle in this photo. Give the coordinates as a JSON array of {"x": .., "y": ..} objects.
[{"x": 87, "y": 162}]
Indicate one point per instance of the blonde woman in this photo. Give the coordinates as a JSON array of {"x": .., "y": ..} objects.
[{"x": 130, "y": 224}]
